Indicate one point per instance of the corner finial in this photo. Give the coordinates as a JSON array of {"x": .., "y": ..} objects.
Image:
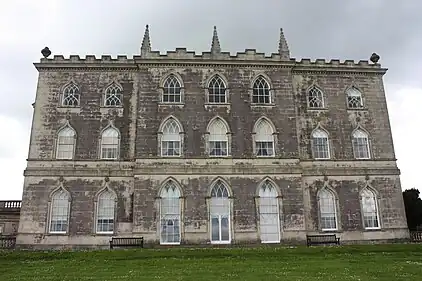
[
  {"x": 215, "y": 45},
  {"x": 146, "y": 43},
  {"x": 283, "y": 48}
]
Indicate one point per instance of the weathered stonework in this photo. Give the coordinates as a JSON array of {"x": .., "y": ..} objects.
[{"x": 137, "y": 176}]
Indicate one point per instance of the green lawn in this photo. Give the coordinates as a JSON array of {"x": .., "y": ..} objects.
[{"x": 370, "y": 262}]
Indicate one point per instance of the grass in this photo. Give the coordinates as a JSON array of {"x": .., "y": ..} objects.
[{"x": 369, "y": 262}]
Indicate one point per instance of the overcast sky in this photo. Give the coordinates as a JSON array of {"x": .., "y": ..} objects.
[{"x": 348, "y": 29}]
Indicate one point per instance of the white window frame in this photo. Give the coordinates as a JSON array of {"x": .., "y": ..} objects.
[
  {"x": 170, "y": 191},
  {"x": 315, "y": 96},
  {"x": 72, "y": 93},
  {"x": 263, "y": 136},
  {"x": 216, "y": 83},
  {"x": 220, "y": 199},
  {"x": 353, "y": 93},
  {"x": 333, "y": 212},
  {"x": 320, "y": 134},
  {"x": 112, "y": 198},
  {"x": 114, "y": 93},
  {"x": 356, "y": 135},
  {"x": 260, "y": 83},
  {"x": 218, "y": 132},
  {"x": 166, "y": 137},
  {"x": 115, "y": 143},
  {"x": 375, "y": 201},
  {"x": 272, "y": 196},
  {"x": 70, "y": 137},
  {"x": 66, "y": 204},
  {"x": 171, "y": 84}
]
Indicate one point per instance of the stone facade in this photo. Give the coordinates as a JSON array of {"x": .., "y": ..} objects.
[{"x": 137, "y": 176}]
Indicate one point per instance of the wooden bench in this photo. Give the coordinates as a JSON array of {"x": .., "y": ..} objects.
[
  {"x": 7, "y": 242},
  {"x": 127, "y": 242},
  {"x": 416, "y": 236},
  {"x": 322, "y": 239}
]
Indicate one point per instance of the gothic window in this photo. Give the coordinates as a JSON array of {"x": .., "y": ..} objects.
[
  {"x": 105, "y": 212},
  {"x": 264, "y": 138},
  {"x": 172, "y": 90},
  {"x": 369, "y": 207},
  {"x": 59, "y": 214},
  {"x": 269, "y": 213},
  {"x": 327, "y": 210},
  {"x": 261, "y": 91},
  {"x": 354, "y": 98},
  {"x": 360, "y": 142},
  {"x": 170, "y": 214},
  {"x": 320, "y": 146},
  {"x": 113, "y": 95},
  {"x": 171, "y": 139},
  {"x": 217, "y": 90},
  {"x": 110, "y": 143},
  {"x": 71, "y": 95},
  {"x": 220, "y": 213},
  {"x": 66, "y": 139},
  {"x": 315, "y": 98},
  {"x": 218, "y": 138}
]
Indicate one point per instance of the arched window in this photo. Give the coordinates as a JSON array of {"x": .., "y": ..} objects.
[
  {"x": 320, "y": 146},
  {"x": 218, "y": 138},
  {"x": 315, "y": 98},
  {"x": 261, "y": 91},
  {"x": 59, "y": 217},
  {"x": 369, "y": 206},
  {"x": 269, "y": 220},
  {"x": 360, "y": 142},
  {"x": 220, "y": 213},
  {"x": 170, "y": 214},
  {"x": 105, "y": 212},
  {"x": 217, "y": 90},
  {"x": 113, "y": 95},
  {"x": 71, "y": 95},
  {"x": 327, "y": 210},
  {"x": 354, "y": 98},
  {"x": 171, "y": 138},
  {"x": 110, "y": 143},
  {"x": 172, "y": 90},
  {"x": 66, "y": 143},
  {"x": 264, "y": 138}
]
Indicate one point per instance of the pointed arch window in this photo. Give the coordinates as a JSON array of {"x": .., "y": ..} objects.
[
  {"x": 269, "y": 219},
  {"x": 327, "y": 210},
  {"x": 360, "y": 142},
  {"x": 315, "y": 98},
  {"x": 110, "y": 143},
  {"x": 172, "y": 90},
  {"x": 370, "y": 212},
  {"x": 66, "y": 139},
  {"x": 320, "y": 146},
  {"x": 113, "y": 95},
  {"x": 170, "y": 214},
  {"x": 171, "y": 139},
  {"x": 71, "y": 95},
  {"x": 105, "y": 212},
  {"x": 354, "y": 98},
  {"x": 264, "y": 138},
  {"x": 261, "y": 91},
  {"x": 217, "y": 90},
  {"x": 220, "y": 213},
  {"x": 218, "y": 138},
  {"x": 59, "y": 217}
]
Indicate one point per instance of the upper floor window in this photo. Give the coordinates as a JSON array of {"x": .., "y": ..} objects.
[
  {"x": 59, "y": 212},
  {"x": 171, "y": 140},
  {"x": 264, "y": 138},
  {"x": 217, "y": 90},
  {"x": 261, "y": 91},
  {"x": 315, "y": 98},
  {"x": 354, "y": 98},
  {"x": 360, "y": 142},
  {"x": 113, "y": 95},
  {"x": 71, "y": 95},
  {"x": 320, "y": 146},
  {"x": 110, "y": 138},
  {"x": 66, "y": 139},
  {"x": 172, "y": 90},
  {"x": 218, "y": 139}
]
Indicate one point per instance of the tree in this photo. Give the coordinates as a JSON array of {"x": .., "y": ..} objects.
[{"x": 413, "y": 207}]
